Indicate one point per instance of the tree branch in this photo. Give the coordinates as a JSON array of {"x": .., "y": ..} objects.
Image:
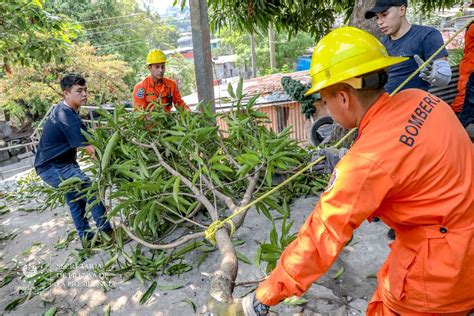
[
  {"x": 224, "y": 148},
  {"x": 223, "y": 280},
  {"x": 172, "y": 245},
  {"x": 221, "y": 196},
  {"x": 239, "y": 219},
  {"x": 246, "y": 283},
  {"x": 199, "y": 196}
]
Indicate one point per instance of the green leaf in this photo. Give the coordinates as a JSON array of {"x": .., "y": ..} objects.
[
  {"x": 248, "y": 157},
  {"x": 258, "y": 257},
  {"x": 222, "y": 167},
  {"x": 268, "y": 248},
  {"x": 7, "y": 279},
  {"x": 178, "y": 269},
  {"x": 295, "y": 300},
  {"x": 51, "y": 312},
  {"x": 177, "y": 133},
  {"x": 139, "y": 276},
  {"x": 263, "y": 208},
  {"x": 169, "y": 287},
  {"x": 230, "y": 90},
  {"x": 242, "y": 257},
  {"x": 13, "y": 304},
  {"x": 339, "y": 273},
  {"x": 269, "y": 176},
  {"x": 148, "y": 293},
  {"x": 274, "y": 236},
  {"x": 69, "y": 182},
  {"x": 238, "y": 91},
  {"x": 216, "y": 179},
  {"x": 187, "y": 300},
  {"x": 259, "y": 114},
  {"x": 252, "y": 100},
  {"x": 237, "y": 242}
]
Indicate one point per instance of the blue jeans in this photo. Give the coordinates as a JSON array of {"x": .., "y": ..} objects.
[
  {"x": 77, "y": 205},
  {"x": 466, "y": 116}
]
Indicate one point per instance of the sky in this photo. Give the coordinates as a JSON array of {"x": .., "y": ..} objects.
[{"x": 160, "y": 5}]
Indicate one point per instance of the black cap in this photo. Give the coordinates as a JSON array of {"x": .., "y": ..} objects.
[{"x": 383, "y": 5}]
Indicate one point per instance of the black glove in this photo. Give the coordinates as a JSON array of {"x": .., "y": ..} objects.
[
  {"x": 332, "y": 154},
  {"x": 252, "y": 307}
]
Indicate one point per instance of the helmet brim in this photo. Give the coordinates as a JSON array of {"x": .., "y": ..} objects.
[{"x": 366, "y": 68}]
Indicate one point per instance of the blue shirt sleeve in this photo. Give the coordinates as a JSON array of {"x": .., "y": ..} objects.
[{"x": 431, "y": 43}]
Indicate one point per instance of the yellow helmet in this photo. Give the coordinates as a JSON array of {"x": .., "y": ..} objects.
[
  {"x": 345, "y": 53},
  {"x": 155, "y": 56}
]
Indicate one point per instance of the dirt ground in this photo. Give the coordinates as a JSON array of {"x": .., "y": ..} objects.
[{"x": 80, "y": 292}]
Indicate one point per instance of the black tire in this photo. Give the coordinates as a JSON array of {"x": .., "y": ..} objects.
[{"x": 320, "y": 130}]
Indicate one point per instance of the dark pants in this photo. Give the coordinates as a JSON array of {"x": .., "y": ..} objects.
[
  {"x": 77, "y": 205},
  {"x": 466, "y": 116}
]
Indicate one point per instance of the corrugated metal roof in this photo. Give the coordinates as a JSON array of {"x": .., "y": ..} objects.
[{"x": 268, "y": 87}]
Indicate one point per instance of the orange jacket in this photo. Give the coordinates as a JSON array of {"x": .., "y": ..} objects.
[
  {"x": 465, "y": 68},
  {"x": 165, "y": 93},
  {"x": 411, "y": 166}
]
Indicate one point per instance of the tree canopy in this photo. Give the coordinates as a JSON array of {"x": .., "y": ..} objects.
[
  {"x": 313, "y": 16},
  {"x": 29, "y": 91},
  {"x": 31, "y": 35},
  {"x": 119, "y": 27}
]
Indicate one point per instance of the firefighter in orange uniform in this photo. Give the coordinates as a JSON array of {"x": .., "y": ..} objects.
[
  {"x": 404, "y": 169},
  {"x": 466, "y": 68},
  {"x": 156, "y": 88}
]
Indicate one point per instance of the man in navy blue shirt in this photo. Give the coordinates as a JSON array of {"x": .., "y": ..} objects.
[
  {"x": 414, "y": 41},
  {"x": 56, "y": 157}
]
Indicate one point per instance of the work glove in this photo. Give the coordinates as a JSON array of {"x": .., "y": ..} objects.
[
  {"x": 252, "y": 306},
  {"x": 437, "y": 73},
  {"x": 332, "y": 154}
]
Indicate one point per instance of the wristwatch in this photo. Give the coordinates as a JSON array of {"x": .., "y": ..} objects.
[{"x": 260, "y": 308}]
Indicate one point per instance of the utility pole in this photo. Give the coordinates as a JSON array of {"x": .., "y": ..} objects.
[
  {"x": 202, "y": 51},
  {"x": 254, "y": 56},
  {"x": 271, "y": 44}
]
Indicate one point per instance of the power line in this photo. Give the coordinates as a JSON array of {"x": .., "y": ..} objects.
[
  {"x": 106, "y": 26},
  {"x": 117, "y": 43},
  {"x": 125, "y": 44},
  {"x": 111, "y": 18},
  {"x": 131, "y": 15},
  {"x": 107, "y": 31},
  {"x": 163, "y": 21}
]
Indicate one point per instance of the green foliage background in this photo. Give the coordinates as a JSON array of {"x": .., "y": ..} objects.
[{"x": 29, "y": 91}]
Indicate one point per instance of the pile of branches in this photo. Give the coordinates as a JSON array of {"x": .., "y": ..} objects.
[
  {"x": 166, "y": 177},
  {"x": 161, "y": 171}
]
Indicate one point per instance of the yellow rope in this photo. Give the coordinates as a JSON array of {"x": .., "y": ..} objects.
[{"x": 215, "y": 226}]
